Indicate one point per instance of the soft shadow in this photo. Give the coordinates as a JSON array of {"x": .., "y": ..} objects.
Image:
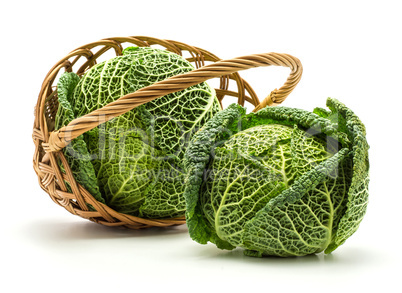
[
  {"x": 211, "y": 252},
  {"x": 86, "y": 230},
  {"x": 345, "y": 256}
]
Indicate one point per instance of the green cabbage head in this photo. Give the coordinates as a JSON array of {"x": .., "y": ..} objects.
[
  {"x": 282, "y": 181},
  {"x": 134, "y": 162}
]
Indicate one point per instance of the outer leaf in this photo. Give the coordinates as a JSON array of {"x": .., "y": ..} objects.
[
  {"x": 322, "y": 112},
  {"x": 65, "y": 89},
  {"x": 358, "y": 193},
  {"x": 76, "y": 152},
  {"x": 234, "y": 190},
  {"x": 196, "y": 159},
  {"x": 309, "y": 121},
  {"x": 299, "y": 220}
]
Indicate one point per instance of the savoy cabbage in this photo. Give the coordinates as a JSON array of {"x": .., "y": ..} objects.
[
  {"x": 133, "y": 163},
  {"x": 282, "y": 181}
]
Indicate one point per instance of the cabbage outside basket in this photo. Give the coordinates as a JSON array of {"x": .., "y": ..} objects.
[{"x": 49, "y": 142}]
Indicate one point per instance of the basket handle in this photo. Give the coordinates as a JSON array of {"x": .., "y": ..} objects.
[{"x": 60, "y": 138}]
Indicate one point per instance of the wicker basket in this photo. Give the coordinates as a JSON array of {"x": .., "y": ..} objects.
[{"x": 49, "y": 142}]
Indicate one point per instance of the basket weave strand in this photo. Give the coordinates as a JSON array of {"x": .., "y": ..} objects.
[{"x": 48, "y": 142}]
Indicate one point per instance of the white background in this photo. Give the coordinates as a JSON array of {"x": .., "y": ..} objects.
[{"x": 350, "y": 50}]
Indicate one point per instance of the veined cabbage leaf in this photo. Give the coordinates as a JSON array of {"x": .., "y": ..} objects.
[
  {"x": 133, "y": 162},
  {"x": 282, "y": 181}
]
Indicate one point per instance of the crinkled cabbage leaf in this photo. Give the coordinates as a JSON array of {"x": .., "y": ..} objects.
[
  {"x": 133, "y": 162},
  {"x": 282, "y": 181}
]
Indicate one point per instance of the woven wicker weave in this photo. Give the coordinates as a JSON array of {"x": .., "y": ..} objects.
[{"x": 49, "y": 142}]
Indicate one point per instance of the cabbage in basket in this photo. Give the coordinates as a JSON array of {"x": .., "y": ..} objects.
[{"x": 133, "y": 163}]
